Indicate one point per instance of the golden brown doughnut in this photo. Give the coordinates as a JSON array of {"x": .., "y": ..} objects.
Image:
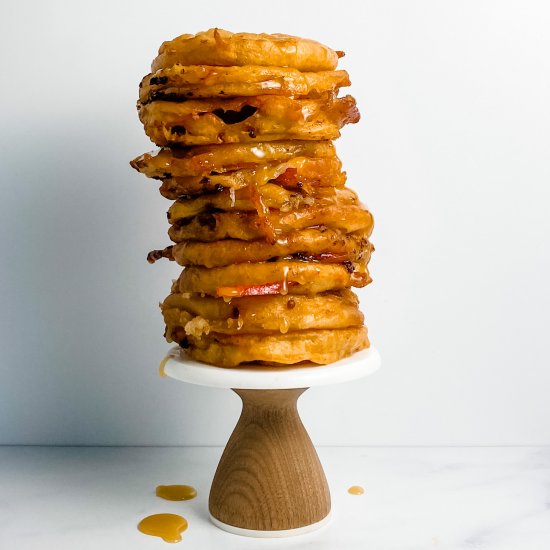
[
  {"x": 272, "y": 196},
  {"x": 247, "y": 226},
  {"x": 203, "y": 160},
  {"x": 318, "y": 346},
  {"x": 261, "y": 278},
  {"x": 318, "y": 245},
  {"x": 181, "y": 82},
  {"x": 220, "y": 47},
  {"x": 244, "y": 120},
  {"x": 261, "y": 314}
]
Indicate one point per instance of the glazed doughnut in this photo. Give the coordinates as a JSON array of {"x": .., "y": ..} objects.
[
  {"x": 260, "y": 314},
  {"x": 264, "y": 278},
  {"x": 317, "y": 346},
  {"x": 248, "y": 226},
  {"x": 243, "y": 120},
  {"x": 182, "y": 82},
  {"x": 202, "y": 161},
  {"x": 227, "y": 49},
  {"x": 327, "y": 246}
]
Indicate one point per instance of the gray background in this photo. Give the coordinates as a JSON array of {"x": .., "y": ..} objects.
[{"x": 451, "y": 155}]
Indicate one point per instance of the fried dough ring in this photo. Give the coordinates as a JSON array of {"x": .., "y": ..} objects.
[
  {"x": 317, "y": 346},
  {"x": 247, "y": 226},
  {"x": 203, "y": 160},
  {"x": 333, "y": 245},
  {"x": 272, "y": 195},
  {"x": 297, "y": 173},
  {"x": 200, "y": 81},
  {"x": 248, "y": 119},
  {"x": 224, "y": 48},
  {"x": 261, "y": 314},
  {"x": 300, "y": 277}
]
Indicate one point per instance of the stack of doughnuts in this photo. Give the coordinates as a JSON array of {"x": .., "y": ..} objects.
[{"x": 269, "y": 238}]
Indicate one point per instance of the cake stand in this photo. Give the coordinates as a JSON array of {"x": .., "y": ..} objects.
[{"x": 269, "y": 482}]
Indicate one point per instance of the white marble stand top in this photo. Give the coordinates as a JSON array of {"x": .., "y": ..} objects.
[
  {"x": 91, "y": 498},
  {"x": 177, "y": 365}
]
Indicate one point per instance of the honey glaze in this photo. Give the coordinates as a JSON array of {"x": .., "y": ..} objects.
[
  {"x": 162, "y": 365},
  {"x": 356, "y": 490},
  {"x": 284, "y": 286},
  {"x": 263, "y": 212},
  {"x": 166, "y": 526},
  {"x": 284, "y": 325},
  {"x": 176, "y": 492}
]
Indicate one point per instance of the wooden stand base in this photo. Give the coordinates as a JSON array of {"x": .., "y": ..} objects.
[
  {"x": 269, "y": 478},
  {"x": 269, "y": 482}
]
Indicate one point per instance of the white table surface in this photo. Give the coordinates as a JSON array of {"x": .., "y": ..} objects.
[{"x": 83, "y": 498}]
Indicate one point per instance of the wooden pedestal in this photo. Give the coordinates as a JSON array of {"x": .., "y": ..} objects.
[
  {"x": 269, "y": 482},
  {"x": 269, "y": 477}
]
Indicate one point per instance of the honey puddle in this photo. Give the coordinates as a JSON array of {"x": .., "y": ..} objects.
[
  {"x": 162, "y": 365},
  {"x": 176, "y": 492},
  {"x": 356, "y": 490},
  {"x": 166, "y": 526}
]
